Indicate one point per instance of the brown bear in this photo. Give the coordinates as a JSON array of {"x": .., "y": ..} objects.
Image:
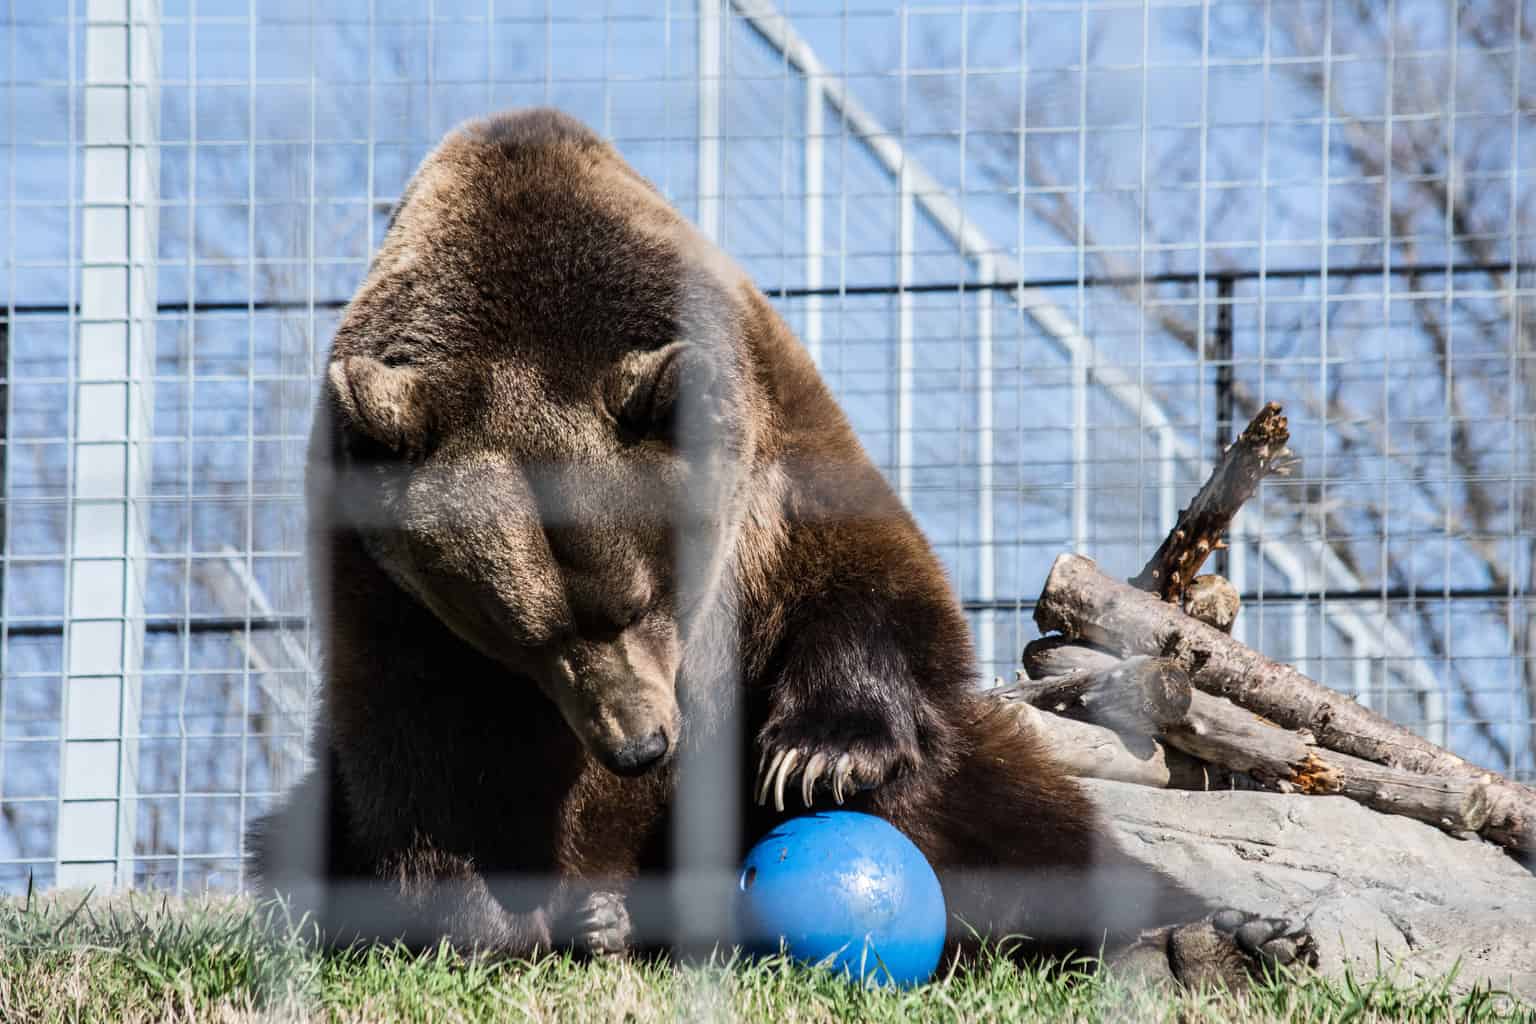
[{"x": 578, "y": 496}]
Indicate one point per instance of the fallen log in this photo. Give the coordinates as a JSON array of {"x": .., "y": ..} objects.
[
  {"x": 1079, "y": 601},
  {"x": 1234, "y": 740},
  {"x": 1049, "y": 660},
  {"x": 1088, "y": 751},
  {"x": 1049, "y": 656},
  {"x": 1259, "y": 451},
  {"x": 1214, "y": 730},
  {"x": 1278, "y": 759},
  {"x": 1091, "y": 751},
  {"x": 1140, "y": 696}
]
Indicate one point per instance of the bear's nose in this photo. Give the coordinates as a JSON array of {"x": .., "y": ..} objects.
[{"x": 637, "y": 756}]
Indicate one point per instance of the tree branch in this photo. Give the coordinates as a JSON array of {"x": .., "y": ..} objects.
[{"x": 1258, "y": 452}]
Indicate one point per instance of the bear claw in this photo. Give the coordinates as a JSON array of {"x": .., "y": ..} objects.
[{"x": 844, "y": 774}]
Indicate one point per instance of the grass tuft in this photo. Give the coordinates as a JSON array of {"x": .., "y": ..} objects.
[{"x": 142, "y": 958}]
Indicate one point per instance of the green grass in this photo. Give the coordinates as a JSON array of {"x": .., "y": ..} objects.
[{"x": 145, "y": 959}]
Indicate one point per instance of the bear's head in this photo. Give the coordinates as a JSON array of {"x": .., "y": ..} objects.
[{"x": 537, "y": 411}]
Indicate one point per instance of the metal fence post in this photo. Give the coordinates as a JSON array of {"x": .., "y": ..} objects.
[{"x": 113, "y": 407}]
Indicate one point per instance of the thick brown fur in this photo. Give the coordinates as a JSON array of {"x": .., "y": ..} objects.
[{"x": 501, "y": 498}]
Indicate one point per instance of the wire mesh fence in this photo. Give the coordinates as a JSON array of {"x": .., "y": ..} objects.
[{"x": 1049, "y": 256}]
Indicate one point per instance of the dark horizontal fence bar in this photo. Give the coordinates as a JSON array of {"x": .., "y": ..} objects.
[
  {"x": 194, "y": 308},
  {"x": 225, "y": 624},
  {"x": 1171, "y": 277},
  {"x": 1051, "y": 283},
  {"x": 1250, "y": 600},
  {"x": 232, "y": 624}
]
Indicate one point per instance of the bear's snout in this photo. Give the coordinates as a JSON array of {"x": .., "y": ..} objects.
[
  {"x": 638, "y": 756},
  {"x": 619, "y": 697}
]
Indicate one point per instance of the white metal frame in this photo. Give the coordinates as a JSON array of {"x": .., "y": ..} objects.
[{"x": 113, "y": 406}]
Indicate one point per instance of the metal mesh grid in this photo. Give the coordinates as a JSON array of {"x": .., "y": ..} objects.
[{"x": 1048, "y": 257}]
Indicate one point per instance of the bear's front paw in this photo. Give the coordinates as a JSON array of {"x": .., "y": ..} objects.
[{"x": 840, "y": 769}]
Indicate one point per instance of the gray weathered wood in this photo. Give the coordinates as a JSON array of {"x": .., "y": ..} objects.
[
  {"x": 1275, "y": 759},
  {"x": 1091, "y": 751},
  {"x": 1079, "y": 601},
  {"x": 1138, "y": 695},
  {"x": 1049, "y": 656},
  {"x": 1229, "y": 737},
  {"x": 1084, "y": 750},
  {"x": 1279, "y": 759}
]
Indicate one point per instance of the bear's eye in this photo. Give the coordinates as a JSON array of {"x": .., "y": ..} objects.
[
  {"x": 648, "y": 411},
  {"x": 675, "y": 389}
]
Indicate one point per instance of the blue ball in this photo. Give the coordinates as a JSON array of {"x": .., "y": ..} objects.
[{"x": 847, "y": 886}]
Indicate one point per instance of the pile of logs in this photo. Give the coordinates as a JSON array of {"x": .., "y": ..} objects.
[{"x": 1142, "y": 682}]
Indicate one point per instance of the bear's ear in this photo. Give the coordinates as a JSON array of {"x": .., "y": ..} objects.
[
  {"x": 669, "y": 391},
  {"x": 384, "y": 402}
]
